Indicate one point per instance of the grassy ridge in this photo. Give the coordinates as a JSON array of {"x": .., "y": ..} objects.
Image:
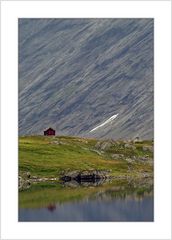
[{"x": 49, "y": 156}]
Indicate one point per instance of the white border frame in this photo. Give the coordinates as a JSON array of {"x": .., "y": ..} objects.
[{"x": 161, "y": 12}]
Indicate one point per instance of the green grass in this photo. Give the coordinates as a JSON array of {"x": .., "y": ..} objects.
[{"x": 43, "y": 158}]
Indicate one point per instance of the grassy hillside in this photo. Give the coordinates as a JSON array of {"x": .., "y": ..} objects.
[{"x": 49, "y": 156}]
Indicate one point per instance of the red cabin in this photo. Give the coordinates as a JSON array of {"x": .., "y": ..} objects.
[{"x": 49, "y": 132}]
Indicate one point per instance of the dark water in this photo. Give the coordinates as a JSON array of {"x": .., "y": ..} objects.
[{"x": 102, "y": 206}]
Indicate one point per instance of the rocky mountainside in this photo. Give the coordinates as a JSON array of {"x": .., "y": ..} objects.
[{"x": 86, "y": 77}]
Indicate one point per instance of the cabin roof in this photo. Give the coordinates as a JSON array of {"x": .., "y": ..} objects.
[{"x": 49, "y": 129}]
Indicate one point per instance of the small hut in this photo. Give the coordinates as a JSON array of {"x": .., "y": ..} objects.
[{"x": 49, "y": 132}]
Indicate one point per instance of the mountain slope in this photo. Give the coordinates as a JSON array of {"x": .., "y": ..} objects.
[{"x": 74, "y": 74}]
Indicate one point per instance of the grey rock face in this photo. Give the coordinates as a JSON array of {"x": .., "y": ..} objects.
[{"x": 74, "y": 74}]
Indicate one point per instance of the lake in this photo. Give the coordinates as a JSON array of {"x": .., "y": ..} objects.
[{"x": 116, "y": 201}]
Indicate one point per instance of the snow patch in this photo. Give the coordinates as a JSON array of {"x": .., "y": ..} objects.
[{"x": 104, "y": 123}]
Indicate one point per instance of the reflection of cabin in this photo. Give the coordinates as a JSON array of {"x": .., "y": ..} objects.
[
  {"x": 49, "y": 132},
  {"x": 51, "y": 207}
]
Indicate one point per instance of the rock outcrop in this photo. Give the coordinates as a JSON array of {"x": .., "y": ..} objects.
[{"x": 87, "y": 175}]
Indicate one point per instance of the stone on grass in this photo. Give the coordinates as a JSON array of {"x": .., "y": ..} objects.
[
  {"x": 117, "y": 156},
  {"x": 147, "y": 148},
  {"x": 130, "y": 146}
]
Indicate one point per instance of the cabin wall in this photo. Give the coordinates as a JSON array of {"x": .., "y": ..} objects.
[{"x": 49, "y": 133}]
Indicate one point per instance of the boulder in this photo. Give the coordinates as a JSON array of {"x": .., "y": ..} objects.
[
  {"x": 144, "y": 159},
  {"x": 66, "y": 178},
  {"x": 147, "y": 148},
  {"x": 26, "y": 175},
  {"x": 72, "y": 174},
  {"x": 23, "y": 184},
  {"x": 137, "y": 140},
  {"x": 117, "y": 156},
  {"x": 86, "y": 175},
  {"x": 130, "y": 146},
  {"x": 56, "y": 142},
  {"x": 98, "y": 145},
  {"x": 129, "y": 160},
  {"x": 104, "y": 145}
]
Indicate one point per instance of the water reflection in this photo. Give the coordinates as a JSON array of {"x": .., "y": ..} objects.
[
  {"x": 87, "y": 201},
  {"x": 51, "y": 207},
  {"x": 85, "y": 183},
  {"x": 127, "y": 209}
]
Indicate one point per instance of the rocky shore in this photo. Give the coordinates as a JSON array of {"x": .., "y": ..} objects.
[{"x": 81, "y": 178}]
